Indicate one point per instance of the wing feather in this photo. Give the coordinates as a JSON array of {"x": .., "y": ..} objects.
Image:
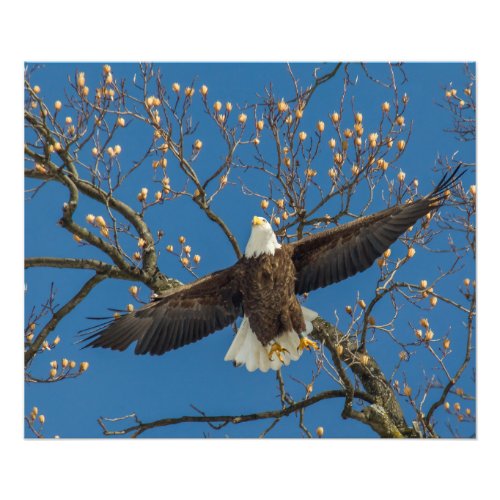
[
  {"x": 336, "y": 254},
  {"x": 178, "y": 317}
]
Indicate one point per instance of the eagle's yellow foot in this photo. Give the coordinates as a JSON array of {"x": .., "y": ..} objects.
[
  {"x": 276, "y": 348},
  {"x": 305, "y": 343}
]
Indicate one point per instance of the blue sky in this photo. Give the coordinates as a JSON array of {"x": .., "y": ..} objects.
[{"x": 155, "y": 387}]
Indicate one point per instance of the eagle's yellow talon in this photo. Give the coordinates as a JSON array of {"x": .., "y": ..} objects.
[
  {"x": 305, "y": 343},
  {"x": 276, "y": 348}
]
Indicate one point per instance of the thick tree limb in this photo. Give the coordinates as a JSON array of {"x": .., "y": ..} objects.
[
  {"x": 373, "y": 380},
  {"x": 70, "y": 263}
]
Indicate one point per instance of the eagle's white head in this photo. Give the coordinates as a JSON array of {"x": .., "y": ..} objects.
[{"x": 262, "y": 239}]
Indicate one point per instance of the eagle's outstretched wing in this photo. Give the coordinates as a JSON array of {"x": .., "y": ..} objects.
[
  {"x": 334, "y": 255},
  {"x": 178, "y": 317}
]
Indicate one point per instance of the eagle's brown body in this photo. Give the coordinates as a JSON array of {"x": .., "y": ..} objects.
[
  {"x": 263, "y": 286},
  {"x": 270, "y": 279}
]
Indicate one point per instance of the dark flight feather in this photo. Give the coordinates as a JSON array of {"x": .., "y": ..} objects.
[
  {"x": 335, "y": 254},
  {"x": 178, "y": 317}
]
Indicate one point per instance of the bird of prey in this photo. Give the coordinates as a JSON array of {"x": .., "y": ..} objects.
[{"x": 263, "y": 286}]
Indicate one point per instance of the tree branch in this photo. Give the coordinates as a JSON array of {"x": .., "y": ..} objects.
[
  {"x": 223, "y": 420},
  {"x": 58, "y": 315}
]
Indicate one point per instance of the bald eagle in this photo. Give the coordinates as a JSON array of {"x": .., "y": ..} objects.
[{"x": 263, "y": 286}]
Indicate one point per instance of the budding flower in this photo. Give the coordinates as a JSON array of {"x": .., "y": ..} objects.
[
  {"x": 401, "y": 176},
  {"x": 467, "y": 282},
  {"x": 386, "y": 107},
  {"x": 53, "y": 373},
  {"x": 110, "y": 151},
  {"x": 189, "y": 92},
  {"x": 332, "y": 143},
  {"x": 299, "y": 114},
  {"x": 143, "y": 194},
  {"x": 137, "y": 256},
  {"x": 185, "y": 261},
  {"x": 260, "y": 125},
  {"x": 362, "y": 304},
  {"x": 40, "y": 168},
  {"x": 358, "y": 117},
  {"x": 310, "y": 173},
  {"x": 81, "y": 79},
  {"x": 36, "y": 89},
  {"x": 423, "y": 284},
  {"x": 117, "y": 149},
  {"x": 203, "y": 90},
  {"x": 187, "y": 249},
  {"x": 282, "y": 106},
  {"x": 302, "y": 136},
  {"x": 133, "y": 290},
  {"x": 429, "y": 334},
  {"x": 56, "y": 340},
  {"x": 277, "y": 221},
  {"x": 411, "y": 252},
  {"x": 401, "y": 144},
  {"x": 335, "y": 117},
  {"x": 64, "y": 362},
  {"x": 407, "y": 390},
  {"x": 332, "y": 173},
  {"x": 339, "y": 349},
  {"x": 338, "y": 158},
  {"x": 77, "y": 238},
  {"x": 84, "y": 366},
  {"x": 120, "y": 121},
  {"x": 433, "y": 301},
  {"x": 58, "y": 105},
  {"x": 348, "y": 133},
  {"x": 176, "y": 87},
  {"x": 400, "y": 120},
  {"x": 41, "y": 419},
  {"x": 424, "y": 322},
  {"x": 446, "y": 344},
  {"x": 348, "y": 309},
  {"x": 99, "y": 220},
  {"x": 320, "y": 126},
  {"x": 387, "y": 253},
  {"x": 217, "y": 106},
  {"x": 364, "y": 359},
  {"x": 196, "y": 259},
  {"x": 319, "y": 432},
  {"x": 472, "y": 190},
  {"x": 456, "y": 406},
  {"x": 355, "y": 170},
  {"x": 53, "y": 364},
  {"x": 264, "y": 204},
  {"x": 242, "y": 118},
  {"x": 229, "y": 107}
]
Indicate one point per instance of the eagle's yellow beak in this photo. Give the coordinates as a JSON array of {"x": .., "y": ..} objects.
[{"x": 256, "y": 221}]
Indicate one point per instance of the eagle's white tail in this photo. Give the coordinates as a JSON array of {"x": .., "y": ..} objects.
[{"x": 247, "y": 350}]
